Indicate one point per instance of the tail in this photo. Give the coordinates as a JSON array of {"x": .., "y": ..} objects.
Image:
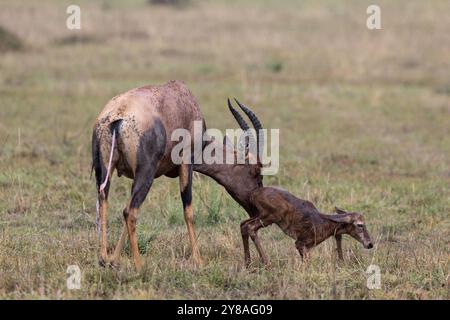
[
  {"x": 108, "y": 170},
  {"x": 103, "y": 173}
]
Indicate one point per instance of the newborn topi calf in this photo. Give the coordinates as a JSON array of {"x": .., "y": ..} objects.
[{"x": 300, "y": 220}]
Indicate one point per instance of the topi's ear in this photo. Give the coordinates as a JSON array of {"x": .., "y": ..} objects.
[
  {"x": 339, "y": 218},
  {"x": 340, "y": 211}
]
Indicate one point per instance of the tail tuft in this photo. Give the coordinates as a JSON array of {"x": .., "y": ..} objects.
[
  {"x": 114, "y": 131},
  {"x": 99, "y": 166}
]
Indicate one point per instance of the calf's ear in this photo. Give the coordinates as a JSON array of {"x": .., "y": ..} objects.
[
  {"x": 340, "y": 218},
  {"x": 340, "y": 211}
]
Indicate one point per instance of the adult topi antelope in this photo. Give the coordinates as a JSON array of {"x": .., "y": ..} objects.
[{"x": 132, "y": 135}]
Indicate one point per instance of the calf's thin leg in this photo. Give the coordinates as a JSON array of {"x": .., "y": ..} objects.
[
  {"x": 339, "y": 246},
  {"x": 185, "y": 176},
  {"x": 303, "y": 250},
  {"x": 252, "y": 226},
  {"x": 245, "y": 236}
]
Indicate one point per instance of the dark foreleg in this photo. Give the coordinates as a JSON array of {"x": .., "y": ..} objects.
[{"x": 141, "y": 186}]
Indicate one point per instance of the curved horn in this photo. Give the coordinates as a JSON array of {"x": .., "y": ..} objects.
[
  {"x": 244, "y": 126},
  {"x": 256, "y": 124},
  {"x": 251, "y": 115}
]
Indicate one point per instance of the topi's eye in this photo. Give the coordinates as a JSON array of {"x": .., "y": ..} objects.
[{"x": 360, "y": 225}]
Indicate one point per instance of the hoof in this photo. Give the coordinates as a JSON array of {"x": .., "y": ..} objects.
[{"x": 102, "y": 262}]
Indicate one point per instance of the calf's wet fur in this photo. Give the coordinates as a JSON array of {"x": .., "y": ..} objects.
[{"x": 300, "y": 220}]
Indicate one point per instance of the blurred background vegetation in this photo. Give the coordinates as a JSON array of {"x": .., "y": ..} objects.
[{"x": 363, "y": 118}]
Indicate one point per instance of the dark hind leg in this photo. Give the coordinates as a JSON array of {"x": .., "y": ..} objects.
[
  {"x": 103, "y": 212},
  {"x": 185, "y": 176},
  {"x": 103, "y": 181},
  {"x": 150, "y": 150},
  {"x": 141, "y": 186}
]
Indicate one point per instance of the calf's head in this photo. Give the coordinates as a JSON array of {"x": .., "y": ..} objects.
[{"x": 352, "y": 223}]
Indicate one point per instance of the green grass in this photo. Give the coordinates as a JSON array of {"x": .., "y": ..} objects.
[{"x": 364, "y": 125}]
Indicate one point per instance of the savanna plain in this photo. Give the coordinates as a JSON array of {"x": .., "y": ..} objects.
[{"x": 364, "y": 119}]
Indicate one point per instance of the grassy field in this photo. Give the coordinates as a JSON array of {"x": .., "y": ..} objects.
[{"x": 364, "y": 119}]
